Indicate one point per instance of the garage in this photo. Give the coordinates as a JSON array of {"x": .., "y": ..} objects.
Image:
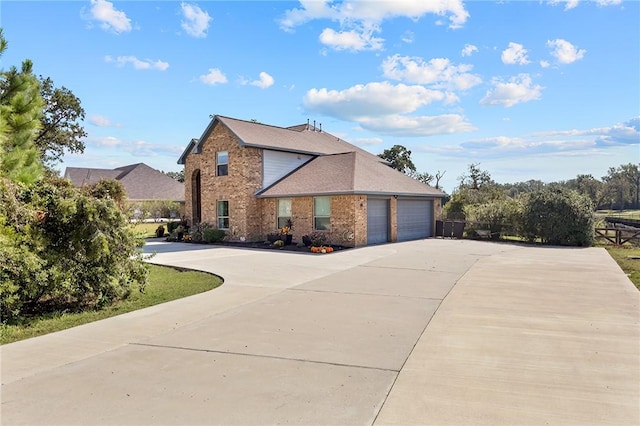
[
  {"x": 415, "y": 219},
  {"x": 377, "y": 220}
]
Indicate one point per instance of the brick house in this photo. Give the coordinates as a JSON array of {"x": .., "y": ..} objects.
[{"x": 250, "y": 178}]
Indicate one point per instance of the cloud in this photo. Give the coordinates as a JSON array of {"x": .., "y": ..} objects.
[
  {"x": 568, "y": 4},
  {"x": 373, "y": 12},
  {"x": 557, "y": 142},
  {"x": 545, "y": 64},
  {"x": 138, "y": 64},
  {"x": 350, "y": 40},
  {"x": 138, "y": 147},
  {"x": 368, "y": 141},
  {"x": 408, "y": 37},
  {"x": 515, "y": 54},
  {"x": 110, "y": 19},
  {"x": 439, "y": 72},
  {"x": 565, "y": 52},
  {"x": 571, "y": 4},
  {"x": 359, "y": 20},
  {"x": 102, "y": 121},
  {"x": 215, "y": 76},
  {"x": 383, "y": 107},
  {"x": 469, "y": 49},
  {"x": 509, "y": 93},
  {"x": 196, "y": 21},
  {"x": 372, "y": 99},
  {"x": 264, "y": 82}
]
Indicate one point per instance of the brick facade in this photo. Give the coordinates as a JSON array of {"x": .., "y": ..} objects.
[{"x": 252, "y": 218}]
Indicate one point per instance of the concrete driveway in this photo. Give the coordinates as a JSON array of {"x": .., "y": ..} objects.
[{"x": 426, "y": 332}]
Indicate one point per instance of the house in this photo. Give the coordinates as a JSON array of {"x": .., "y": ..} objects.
[
  {"x": 141, "y": 182},
  {"x": 250, "y": 178}
]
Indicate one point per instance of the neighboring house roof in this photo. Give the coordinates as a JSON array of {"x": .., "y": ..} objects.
[
  {"x": 349, "y": 173},
  {"x": 139, "y": 180},
  {"x": 300, "y": 139}
]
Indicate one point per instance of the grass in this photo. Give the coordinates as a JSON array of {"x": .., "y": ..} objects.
[
  {"x": 628, "y": 258},
  {"x": 623, "y": 214},
  {"x": 148, "y": 229},
  {"x": 165, "y": 284}
]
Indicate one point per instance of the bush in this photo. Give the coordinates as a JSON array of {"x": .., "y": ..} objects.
[
  {"x": 171, "y": 226},
  {"x": 558, "y": 216},
  {"x": 318, "y": 238},
  {"x": 212, "y": 235},
  {"x": 495, "y": 215},
  {"x": 64, "y": 248}
]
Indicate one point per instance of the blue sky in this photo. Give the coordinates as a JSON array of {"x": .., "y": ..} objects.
[{"x": 529, "y": 89}]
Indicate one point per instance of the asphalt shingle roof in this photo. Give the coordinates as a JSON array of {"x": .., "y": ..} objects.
[
  {"x": 349, "y": 173},
  {"x": 139, "y": 180}
]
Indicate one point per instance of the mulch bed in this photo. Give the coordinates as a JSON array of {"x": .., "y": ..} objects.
[{"x": 262, "y": 246}]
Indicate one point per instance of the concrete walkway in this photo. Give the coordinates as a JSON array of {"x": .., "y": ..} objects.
[{"x": 426, "y": 332}]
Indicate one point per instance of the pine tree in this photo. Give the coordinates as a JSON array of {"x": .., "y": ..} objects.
[{"x": 21, "y": 107}]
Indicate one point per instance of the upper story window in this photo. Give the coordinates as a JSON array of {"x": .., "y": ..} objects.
[
  {"x": 222, "y": 163},
  {"x": 321, "y": 213},
  {"x": 284, "y": 212}
]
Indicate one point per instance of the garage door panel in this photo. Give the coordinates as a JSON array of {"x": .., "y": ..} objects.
[
  {"x": 377, "y": 220},
  {"x": 415, "y": 219}
]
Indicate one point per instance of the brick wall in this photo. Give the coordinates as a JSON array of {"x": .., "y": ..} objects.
[{"x": 243, "y": 180}]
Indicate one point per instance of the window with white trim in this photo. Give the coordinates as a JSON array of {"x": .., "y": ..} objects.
[
  {"x": 321, "y": 213},
  {"x": 284, "y": 212},
  {"x": 223, "y": 214},
  {"x": 222, "y": 163}
]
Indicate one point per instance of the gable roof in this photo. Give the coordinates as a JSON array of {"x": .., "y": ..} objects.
[
  {"x": 300, "y": 139},
  {"x": 139, "y": 180},
  {"x": 348, "y": 173}
]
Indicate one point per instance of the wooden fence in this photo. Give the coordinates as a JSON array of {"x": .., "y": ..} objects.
[{"x": 619, "y": 236}]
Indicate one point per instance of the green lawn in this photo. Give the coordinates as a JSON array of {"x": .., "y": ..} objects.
[
  {"x": 165, "y": 284},
  {"x": 148, "y": 229},
  {"x": 629, "y": 260}
]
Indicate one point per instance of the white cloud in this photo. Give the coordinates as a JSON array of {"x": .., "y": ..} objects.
[
  {"x": 368, "y": 141},
  {"x": 264, "y": 82},
  {"x": 469, "y": 49},
  {"x": 138, "y": 64},
  {"x": 350, "y": 40},
  {"x": 408, "y": 37},
  {"x": 215, "y": 76},
  {"x": 439, "y": 72},
  {"x": 196, "y": 21},
  {"x": 515, "y": 54},
  {"x": 565, "y": 52},
  {"x": 110, "y": 19},
  {"x": 382, "y": 107},
  {"x": 608, "y": 2},
  {"x": 568, "y": 4},
  {"x": 102, "y": 121},
  {"x": 545, "y": 64},
  {"x": 138, "y": 147},
  {"x": 509, "y": 93},
  {"x": 412, "y": 126},
  {"x": 372, "y": 99},
  {"x": 373, "y": 12}
]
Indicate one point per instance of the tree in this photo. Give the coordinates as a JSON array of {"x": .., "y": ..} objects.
[
  {"x": 399, "y": 158},
  {"x": 475, "y": 178},
  {"x": 20, "y": 111},
  {"x": 179, "y": 176},
  {"x": 589, "y": 186},
  {"x": 558, "y": 216},
  {"x": 423, "y": 177},
  {"x": 622, "y": 185},
  {"x": 61, "y": 123},
  {"x": 439, "y": 175}
]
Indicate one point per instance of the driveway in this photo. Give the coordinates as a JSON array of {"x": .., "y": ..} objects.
[{"x": 425, "y": 332}]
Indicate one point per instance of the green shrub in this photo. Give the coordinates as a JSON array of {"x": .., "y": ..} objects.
[
  {"x": 212, "y": 235},
  {"x": 64, "y": 248},
  {"x": 495, "y": 215},
  {"x": 171, "y": 226},
  {"x": 558, "y": 216},
  {"x": 318, "y": 239}
]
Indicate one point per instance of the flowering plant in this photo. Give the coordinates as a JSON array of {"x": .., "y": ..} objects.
[{"x": 285, "y": 230}]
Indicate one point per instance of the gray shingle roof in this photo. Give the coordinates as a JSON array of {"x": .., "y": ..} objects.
[
  {"x": 139, "y": 180},
  {"x": 291, "y": 139},
  {"x": 349, "y": 173}
]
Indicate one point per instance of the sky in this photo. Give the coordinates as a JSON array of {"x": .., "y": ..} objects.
[{"x": 540, "y": 90}]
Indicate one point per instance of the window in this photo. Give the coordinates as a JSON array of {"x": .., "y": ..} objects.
[
  {"x": 222, "y": 163},
  {"x": 321, "y": 213},
  {"x": 284, "y": 212},
  {"x": 223, "y": 215}
]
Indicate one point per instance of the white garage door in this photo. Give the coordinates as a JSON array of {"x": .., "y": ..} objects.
[
  {"x": 415, "y": 219},
  {"x": 377, "y": 220}
]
